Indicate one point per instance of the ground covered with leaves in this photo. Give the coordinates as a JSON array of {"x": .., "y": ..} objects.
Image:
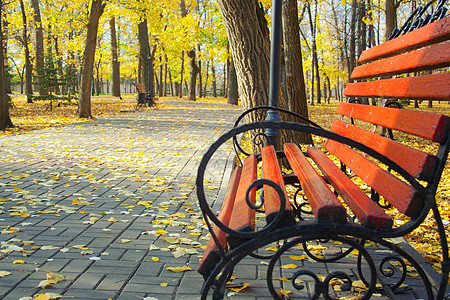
[{"x": 36, "y": 115}]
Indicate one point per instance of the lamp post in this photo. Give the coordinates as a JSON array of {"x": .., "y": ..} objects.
[{"x": 274, "y": 135}]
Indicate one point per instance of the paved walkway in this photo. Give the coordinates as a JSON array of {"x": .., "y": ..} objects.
[
  {"x": 87, "y": 201},
  {"x": 109, "y": 205}
]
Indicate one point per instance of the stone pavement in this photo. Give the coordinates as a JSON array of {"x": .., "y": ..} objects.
[
  {"x": 87, "y": 200},
  {"x": 110, "y": 206}
]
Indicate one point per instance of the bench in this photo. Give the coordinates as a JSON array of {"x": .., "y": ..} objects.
[
  {"x": 359, "y": 186},
  {"x": 142, "y": 97}
]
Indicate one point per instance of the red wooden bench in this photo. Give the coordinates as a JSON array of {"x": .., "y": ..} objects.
[{"x": 414, "y": 66}]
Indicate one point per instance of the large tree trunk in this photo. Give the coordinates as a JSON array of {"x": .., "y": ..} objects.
[
  {"x": 352, "y": 50},
  {"x": 5, "y": 120},
  {"x": 249, "y": 43},
  {"x": 84, "y": 103},
  {"x": 115, "y": 59},
  {"x": 28, "y": 67},
  {"x": 295, "y": 81},
  {"x": 39, "y": 46}
]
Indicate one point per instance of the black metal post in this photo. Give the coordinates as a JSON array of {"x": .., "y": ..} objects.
[{"x": 274, "y": 135}]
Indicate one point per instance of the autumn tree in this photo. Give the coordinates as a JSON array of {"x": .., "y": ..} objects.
[
  {"x": 114, "y": 59},
  {"x": 39, "y": 57},
  {"x": 26, "y": 49},
  {"x": 84, "y": 102},
  {"x": 5, "y": 120},
  {"x": 295, "y": 82}
]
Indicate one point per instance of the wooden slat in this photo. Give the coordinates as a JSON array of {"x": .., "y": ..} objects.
[
  {"x": 433, "y": 57},
  {"x": 324, "y": 203},
  {"x": 433, "y": 33},
  {"x": 395, "y": 191},
  {"x": 243, "y": 217},
  {"x": 211, "y": 255},
  {"x": 431, "y": 126},
  {"x": 140, "y": 87},
  {"x": 364, "y": 208},
  {"x": 426, "y": 87},
  {"x": 272, "y": 171},
  {"x": 417, "y": 163}
]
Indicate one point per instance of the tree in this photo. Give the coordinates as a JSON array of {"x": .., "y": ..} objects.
[
  {"x": 295, "y": 81},
  {"x": 28, "y": 67},
  {"x": 232, "y": 94},
  {"x": 5, "y": 119},
  {"x": 249, "y": 43},
  {"x": 84, "y": 102},
  {"x": 115, "y": 59},
  {"x": 39, "y": 45}
]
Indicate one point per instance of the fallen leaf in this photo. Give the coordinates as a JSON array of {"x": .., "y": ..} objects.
[
  {"x": 289, "y": 266},
  {"x": 4, "y": 273},
  {"x": 179, "y": 269},
  {"x": 18, "y": 261},
  {"x": 112, "y": 219},
  {"x": 240, "y": 289}
]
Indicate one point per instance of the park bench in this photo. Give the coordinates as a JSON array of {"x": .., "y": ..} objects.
[
  {"x": 359, "y": 186},
  {"x": 142, "y": 97}
]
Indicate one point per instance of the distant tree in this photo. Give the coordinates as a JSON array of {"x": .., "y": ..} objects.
[
  {"x": 115, "y": 59},
  {"x": 5, "y": 119},
  {"x": 39, "y": 47},
  {"x": 84, "y": 102}
]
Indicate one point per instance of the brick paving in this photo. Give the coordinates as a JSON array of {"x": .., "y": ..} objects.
[{"x": 110, "y": 204}]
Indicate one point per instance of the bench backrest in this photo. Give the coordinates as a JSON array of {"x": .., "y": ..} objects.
[
  {"x": 414, "y": 67},
  {"x": 140, "y": 88},
  {"x": 420, "y": 51}
]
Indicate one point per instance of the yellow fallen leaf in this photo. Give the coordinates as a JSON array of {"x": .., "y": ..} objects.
[
  {"x": 112, "y": 219},
  {"x": 179, "y": 269},
  {"x": 289, "y": 266},
  {"x": 283, "y": 279},
  {"x": 53, "y": 278},
  {"x": 298, "y": 257},
  {"x": 155, "y": 258},
  {"x": 18, "y": 261},
  {"x": 164, "y": 284},
  {"x": 4, "y": 273},
  {"x": 124, "y": 241},
  {"x": 273, "y": 249},
  {"x": 284, "y": 293},
  {"x": 240, "y": 289}
]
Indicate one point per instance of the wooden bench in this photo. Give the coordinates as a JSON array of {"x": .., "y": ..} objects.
[
  {"x": 142, "y": 97},
  {"x": 404, "y": 177}
]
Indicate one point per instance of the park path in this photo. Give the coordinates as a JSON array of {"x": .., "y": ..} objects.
[
  {"x": 90, "y": 198},
  {"x": 109, "y": 207}
]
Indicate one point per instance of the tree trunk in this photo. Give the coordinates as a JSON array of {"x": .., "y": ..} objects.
[
  {"x": 181, "y": 75},
  {"x": 5, "y": 120},
  {"x": 206, "y": 79},
  {"x": 165, "y": 76},
  {"x": 144, "y": 53},
  {"x": 115, "y": 59},
  {"x": 28, "y": 67},
  {"x": 193, "y": 71},
  {"x": 391, "y": 17},
  {"x": 249, "y": 43},
  {"x": 39, "y": 46},
  {"x": 295, "y": 81},
  {"x": 84, "y": 103},
  {"x": 214, "y": 82},
  {"x": 232, "y": 94},
  {"x": 352, "y": 50}
]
